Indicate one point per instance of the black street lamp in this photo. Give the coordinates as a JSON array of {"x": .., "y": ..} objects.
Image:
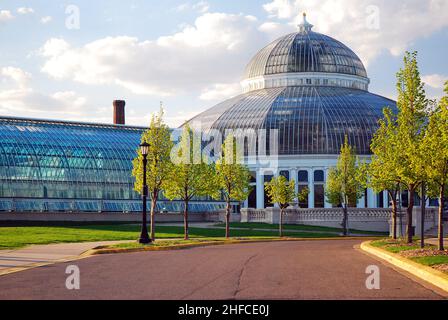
[{"x": 144, "y": 237}]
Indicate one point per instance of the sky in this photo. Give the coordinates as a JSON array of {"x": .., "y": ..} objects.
[{"x": 70, "y": 59}]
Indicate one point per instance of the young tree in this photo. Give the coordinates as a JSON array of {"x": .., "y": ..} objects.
[
  {"x": 382, "y": 171},
  {"x": 159, "y": 166},
  {"x": 345, "y": 182},
  {"x": 302, "y": 196},
  {"x": 192, "y": 175},
  {"x": 232, "y": 177},
  {"x": 282, "y": 192},
  {"x": 436, "y": 143},
  {"x": 412, "y": 105}
]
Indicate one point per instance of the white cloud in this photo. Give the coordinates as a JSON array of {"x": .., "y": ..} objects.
[
  {"x": 46, "y": 19},
  {"x": 355, "y": 22},
  {"x": 436, "y": 81},
  {"x": 212, "y": 51},
  {"x": 220, "y": 91},
  {"x": 15, "y": 75},
  {"x": 25, "y": 10},
  {"x": 5, "y": 15},
  {"x": 18, "y": 97},
  {"x": 201, "y": 6}
]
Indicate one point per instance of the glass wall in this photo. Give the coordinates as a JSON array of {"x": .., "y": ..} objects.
[{"x": 65, "y": 166}]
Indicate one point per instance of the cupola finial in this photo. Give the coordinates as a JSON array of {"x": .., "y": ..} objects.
[{"x": 305, "y": 26}]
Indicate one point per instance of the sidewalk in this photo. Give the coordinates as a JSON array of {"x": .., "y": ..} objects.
[
  {"x": 435, "y": 241},
  {"x": 40, "y": 255}
]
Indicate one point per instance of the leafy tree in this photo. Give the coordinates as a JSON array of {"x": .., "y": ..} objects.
[
  {"x": 345, "y": 182},
  {"x": 436, "y": 145},
  {"x": 412, "y": 105},
  {"x": 382, "y": 171},
  {"x": 282, "y": 192},
  {"x": 302, "y": 196},
  {"x": 232, "y": 177},
  {"x": 159, "y": 166},
  {"x": 192, "y": 175}
]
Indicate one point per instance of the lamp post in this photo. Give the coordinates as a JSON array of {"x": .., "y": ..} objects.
[{"x": 144, "y": 237}]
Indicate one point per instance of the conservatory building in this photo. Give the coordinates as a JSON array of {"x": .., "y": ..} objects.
[
  {"x": 308, "y": 88},
  {"x": 313, "y": 91}
]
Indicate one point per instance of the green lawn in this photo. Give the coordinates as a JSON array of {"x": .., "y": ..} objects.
[
  {"x": 397, "y": 246},
  {"x": 289, "y": 227},
  {"x": 15, "y": 237},
  {"x": 431, "y": 261}
]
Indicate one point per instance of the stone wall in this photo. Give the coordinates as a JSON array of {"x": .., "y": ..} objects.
[
  {"x": 107, "y": 217},
  {"x": 360, "y": 219}
]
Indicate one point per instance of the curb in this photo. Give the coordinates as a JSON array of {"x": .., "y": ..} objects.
[
  {"x": 428, "y": 274},
  {"x": 106, "y": 250}
]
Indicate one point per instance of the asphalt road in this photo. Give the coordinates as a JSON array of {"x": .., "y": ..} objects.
[{"x": 276, "y": 270}]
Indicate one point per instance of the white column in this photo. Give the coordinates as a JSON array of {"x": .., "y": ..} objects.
[
  {"x": 385, "y": 199},
  {"x": 371, "y": 198},
  {"x": 260, "y": 190},
  {"x": 311, "y": 188},
  {"x": 293, "y": 176},
  {"x": 361, "y": 202},
  {"x": 327, "y": 204}
]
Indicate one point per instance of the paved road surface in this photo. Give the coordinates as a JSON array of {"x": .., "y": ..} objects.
[
  {"x": 23, "y": 258},
  {"x": 276, "y": 270}
]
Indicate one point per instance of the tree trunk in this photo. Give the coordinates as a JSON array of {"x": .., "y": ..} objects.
[
  {"x": 152, "y": 226},
  {"x": 441, "y": 205},
  {"x": 280, "y": 226},
  {"x": 422, "y": 220},
  {"x": 409, "y": 215},
  {"x": 394, "y": 217},
  {"x": 228, "y": 220},
  {"x": 186, "y": 235},
  {"x": 344, "y": 219}
]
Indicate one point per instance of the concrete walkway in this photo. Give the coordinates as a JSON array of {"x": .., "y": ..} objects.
[
  {"x": 435, "y": 241},
  {"x": 40, "y": 255}
]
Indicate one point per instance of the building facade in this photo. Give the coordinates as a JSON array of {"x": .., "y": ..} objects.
[{"x": 312, "y": 90}]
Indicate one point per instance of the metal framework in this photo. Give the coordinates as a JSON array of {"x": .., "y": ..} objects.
[{"x": 71, "y": 166}]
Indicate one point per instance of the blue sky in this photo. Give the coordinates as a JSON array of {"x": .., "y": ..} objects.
[{"x": 189, "y": 54}]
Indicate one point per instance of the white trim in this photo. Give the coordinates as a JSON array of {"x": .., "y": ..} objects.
[{"x": 305, "y": 79}]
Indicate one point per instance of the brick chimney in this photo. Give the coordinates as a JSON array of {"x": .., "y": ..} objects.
[{"x": 119, "y": 111}]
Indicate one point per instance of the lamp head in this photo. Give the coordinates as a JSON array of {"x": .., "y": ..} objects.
[{"x": 144, "y": 148}]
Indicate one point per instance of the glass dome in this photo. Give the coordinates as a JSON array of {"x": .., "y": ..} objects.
[
  {"x": 310, "y": 120},
  {"x": 311, "y": 88},
  {"x": 305, "y": 51}
]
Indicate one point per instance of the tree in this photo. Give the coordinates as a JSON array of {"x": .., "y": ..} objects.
[
  {"x": 302, "y": 196},
  {"x": 345, "y": 182},
  {"x": 282, "y": 192},
  {"x": 159, "y": 167},
  {"x": 192, "y": 175},
  {"x": 436, "y": 143},
  {"x": 412, "y": 105},
  {"x": 232, "y": 177},
  {"x": 382, "y": 171}
]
